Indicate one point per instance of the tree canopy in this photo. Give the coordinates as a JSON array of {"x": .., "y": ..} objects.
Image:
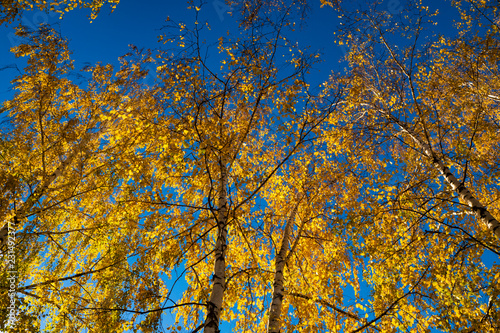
[{"x": 230, "y": 191}]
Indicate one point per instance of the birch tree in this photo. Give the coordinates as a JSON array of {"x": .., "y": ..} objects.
[
  {"x": 220, "y": 135},
  {"x": 62, "y": 189},
  {"x": 414, "y": 100}
]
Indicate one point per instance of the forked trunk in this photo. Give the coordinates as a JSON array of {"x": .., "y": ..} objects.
[{"x": 274, "y": 324}]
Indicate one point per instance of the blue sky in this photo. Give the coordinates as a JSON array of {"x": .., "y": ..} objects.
[{"x": 139, "y": 23}]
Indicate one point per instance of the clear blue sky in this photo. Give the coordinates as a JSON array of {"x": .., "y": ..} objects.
[{"x": 139, "y": 23}]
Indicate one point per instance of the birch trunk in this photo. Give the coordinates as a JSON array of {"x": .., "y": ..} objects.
[
  {"x": 274, "y": 324},
  {"x": 479, "y": 210},
  {"x": 214, "y": 305}
]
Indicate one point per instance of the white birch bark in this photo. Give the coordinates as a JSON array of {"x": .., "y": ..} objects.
[
  {"x": 274, "y": 323},
  {"x": 214, "y": 306},
  {"x": 479, "y": 210}
]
